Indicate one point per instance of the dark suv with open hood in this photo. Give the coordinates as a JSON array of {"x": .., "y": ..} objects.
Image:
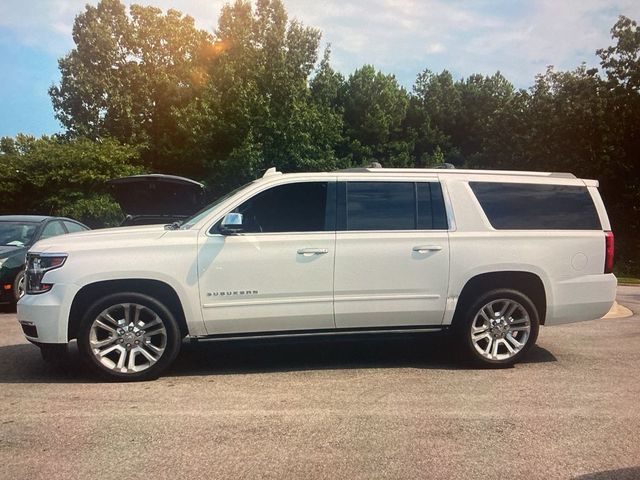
[{"x": 156, "y": 199}]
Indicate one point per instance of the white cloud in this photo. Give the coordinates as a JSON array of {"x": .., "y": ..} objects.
[
  {"x": 400, "y": 36},
  {"x": 435, "y": 48}
]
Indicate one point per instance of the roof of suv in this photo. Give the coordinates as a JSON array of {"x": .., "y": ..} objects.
[
  {"x": 535, "y": 177},
  {"x": 452, "y": 171}
]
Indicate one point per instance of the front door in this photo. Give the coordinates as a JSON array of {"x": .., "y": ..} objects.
[
  {"x": 392, "y": 254},
  {"x": 276, "y": 274}
]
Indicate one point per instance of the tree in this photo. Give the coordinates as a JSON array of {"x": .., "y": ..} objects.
[
  {"x": 433, "y": 110},
  {"x": 127, "y": 73},
  {"x": 374, "y": 109},
  {"x": 621, "y": 64},
  {"x": 257, "y": 109},
  {"x": 57, "y": 176}
]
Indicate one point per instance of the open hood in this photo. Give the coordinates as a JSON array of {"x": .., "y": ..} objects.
[{"x": 158, "y": 195}]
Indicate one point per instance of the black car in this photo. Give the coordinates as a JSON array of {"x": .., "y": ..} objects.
[
  {"x": 156, "y": 199},
  {"x": 17, "y": 234}
]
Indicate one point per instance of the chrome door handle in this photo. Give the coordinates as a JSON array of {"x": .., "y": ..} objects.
[
  {"x": 312, "y": 251},
  {"x": 427, "y": 248}
]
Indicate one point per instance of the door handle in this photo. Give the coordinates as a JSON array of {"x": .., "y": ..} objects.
[
  {"x": 312, "y": 251},
  {"x": 427, "y": 248}
]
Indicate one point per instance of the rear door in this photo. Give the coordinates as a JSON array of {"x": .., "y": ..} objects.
[{"x": 392, "y": 253}]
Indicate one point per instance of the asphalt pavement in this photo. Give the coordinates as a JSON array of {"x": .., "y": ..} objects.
[{"x": 393, "y": 408}]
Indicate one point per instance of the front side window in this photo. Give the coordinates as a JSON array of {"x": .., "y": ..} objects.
[
  {"x": 395, "y": 206},
  {"x": 295, "y": 207},
  {"x": 521, "y": 206}
]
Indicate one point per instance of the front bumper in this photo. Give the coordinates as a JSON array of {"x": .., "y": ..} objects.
[{"x": 45, "y": 317}]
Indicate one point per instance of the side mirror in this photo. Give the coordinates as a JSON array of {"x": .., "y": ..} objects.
[{"x": 231, "y": 224}]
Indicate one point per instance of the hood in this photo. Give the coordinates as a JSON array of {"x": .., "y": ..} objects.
[
  {"x": 105, "y": 238},
  {"x": 6, "y": 252},
  {"x": 158, "y": 195}
]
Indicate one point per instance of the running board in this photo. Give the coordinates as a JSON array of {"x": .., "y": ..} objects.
[{"x": 321, "y": 333}]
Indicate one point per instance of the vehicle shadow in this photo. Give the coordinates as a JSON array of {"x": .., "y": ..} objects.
[
  {"x": 7, "y": 308},
  {"x": 22, "y": 363},
  {"x": 632, "y": 473}
]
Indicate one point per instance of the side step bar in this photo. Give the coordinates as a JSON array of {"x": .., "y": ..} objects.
[{"x": 321, "y": 333}]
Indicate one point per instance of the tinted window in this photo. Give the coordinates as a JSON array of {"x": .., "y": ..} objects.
[
  {"x": 381, "y": 206},
  {"x": 296, "y": 207},
  {"x": 394, "y": 206},
  {"x": 431, "y": 211},
  {"x": 73, "y": 227},
  {"x": 52, "y": 229},
  {"x": 519, "y": 206}
]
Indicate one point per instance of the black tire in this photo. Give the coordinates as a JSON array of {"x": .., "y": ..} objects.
[
  {"x": 171, "y": 349},
  {"x": 463, "y": 328},
  {"x": 17, "y": 292}
]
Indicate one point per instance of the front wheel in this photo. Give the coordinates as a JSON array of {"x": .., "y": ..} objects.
[
  {"x": 129, "y": 337},
  {"x": 19, "y": 286},
  {"x": 499, "y": 328}
]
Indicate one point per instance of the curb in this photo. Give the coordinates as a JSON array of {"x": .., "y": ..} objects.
[{"x": 618, "y": 311}]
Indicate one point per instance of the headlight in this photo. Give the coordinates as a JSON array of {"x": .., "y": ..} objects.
[
  {"x": 37, "y": 265},
  {"x": 2, "y": 260}
]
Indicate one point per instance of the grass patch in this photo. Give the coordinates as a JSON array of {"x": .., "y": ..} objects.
[{"x": 629, "y": 280}]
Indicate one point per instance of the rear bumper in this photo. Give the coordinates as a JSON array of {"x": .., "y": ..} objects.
[
  {"x": 6, "y": 294},
  {"x": 44, "y": 318},
  {"x": 583, "y": 298}
]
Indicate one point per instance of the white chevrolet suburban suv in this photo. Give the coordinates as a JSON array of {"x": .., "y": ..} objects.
[{"x": 487, "y": 255}]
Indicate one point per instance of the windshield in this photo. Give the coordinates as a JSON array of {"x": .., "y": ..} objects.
[
  {"x": 191, "y": 221},
  {"x": 14, "y": 234}
]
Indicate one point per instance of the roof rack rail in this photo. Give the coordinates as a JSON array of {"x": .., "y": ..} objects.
[{"x": 362, "y": 169}]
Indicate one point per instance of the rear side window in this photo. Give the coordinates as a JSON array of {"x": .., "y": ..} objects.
[
  {"x": 53, "y": 229},
  {"x": 381, "y": 206},
  {"x": 73, "y": 227},
  {"x": 519, "y": 206},
  {"x": 394, "y": 206}
]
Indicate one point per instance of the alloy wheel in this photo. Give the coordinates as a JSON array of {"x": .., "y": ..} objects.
[
  {"x": 128, "y": 338},
  {"x": 500, "y": 329},
  {"x": 20, "y": 288}
]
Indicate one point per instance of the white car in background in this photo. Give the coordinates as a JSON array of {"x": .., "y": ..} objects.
[{"x": 487, "y": 255}]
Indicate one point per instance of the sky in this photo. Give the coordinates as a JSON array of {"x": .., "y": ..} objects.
[{"x": 520, "y": 38}]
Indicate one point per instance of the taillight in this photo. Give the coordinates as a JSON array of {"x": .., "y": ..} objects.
[{"x": 609, "y": 252}]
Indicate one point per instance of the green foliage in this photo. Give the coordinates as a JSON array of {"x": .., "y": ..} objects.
[
  {"x": 55, "y": 176},
  {"x": 374, "y": 109},
  {"x": 127, "y": 73},
  {"x": 257, "y": 109}
]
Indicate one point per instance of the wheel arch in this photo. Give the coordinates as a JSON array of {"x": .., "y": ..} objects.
[
  {"x": 528, "y": 283},
  {"x": 157, "y": 289}
]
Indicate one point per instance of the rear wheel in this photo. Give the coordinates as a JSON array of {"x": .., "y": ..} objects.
[
  {"x": 499, "y": 328},
  {"x": 129, "y": 337}
]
